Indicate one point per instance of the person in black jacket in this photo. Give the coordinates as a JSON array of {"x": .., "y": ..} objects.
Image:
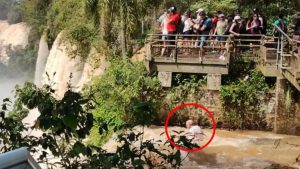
[{"x": 296, "y": 26}]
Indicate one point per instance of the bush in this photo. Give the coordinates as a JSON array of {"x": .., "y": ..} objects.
[
  {"x": 64, "y": 125},
  {"x": 82, "y": 35},
  {"x": 34, "y": 14},
  {"x": 122, "y": 92},
  {"x": 64, "y": 15},
  {"x": 241, "y": 102}
]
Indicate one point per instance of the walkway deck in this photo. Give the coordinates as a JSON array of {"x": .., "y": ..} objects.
[{"x": 275, "y": 57}]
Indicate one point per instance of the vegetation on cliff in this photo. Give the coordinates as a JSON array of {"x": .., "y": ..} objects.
[{"x": 126, "y": 95}]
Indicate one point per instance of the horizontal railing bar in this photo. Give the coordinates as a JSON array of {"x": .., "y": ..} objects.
[
  {"x": 246, "y": 40},
  {"x": 247, "y": 45},
  {"x": 211, "y": 47},
  {"x": 196, "y": 35},
  {"x": 191, "y": 41}
]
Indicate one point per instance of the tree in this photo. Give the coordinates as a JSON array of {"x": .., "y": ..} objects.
[{"x": 66, "y": 123}]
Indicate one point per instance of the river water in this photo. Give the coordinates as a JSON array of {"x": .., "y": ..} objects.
[{"x": 235, "y": 149}]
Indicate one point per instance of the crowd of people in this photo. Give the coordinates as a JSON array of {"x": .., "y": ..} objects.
[{"x": 218, "y": 26}]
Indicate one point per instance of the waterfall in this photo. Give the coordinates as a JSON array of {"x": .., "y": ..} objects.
[
  {"x": 12, "y": 36},
  {"x": 60, "y": 65},
  {"x": 43, "y": 54}
]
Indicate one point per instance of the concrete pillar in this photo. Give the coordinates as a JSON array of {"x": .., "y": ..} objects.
[
  {"x": 214, "y": 81},
  {"x": 280, "y": 112},
  {"x": 213, "y": 94},
  {"x": 165, "y": 78}
]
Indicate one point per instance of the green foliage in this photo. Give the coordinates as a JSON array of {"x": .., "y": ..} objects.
[
  {"x": 189, "y": 89},
  {"x": 241, "y": 102},
  {"x": 122, "y": 92},
  {"x": 186, "y": 89},
  {"x": 64, "y": 15},
  {"x": 227, "y": 6},
  {"x": 240, "y": 66},
  {"x": 66, "y": 123},
  {"x": 34, "y": 14},
  {"x": 146, "y": 154},
  {"x": 82, "y": 35}
]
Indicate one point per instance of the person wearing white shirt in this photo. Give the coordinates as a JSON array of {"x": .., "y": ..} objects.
[{"x": 195, "y": 132}]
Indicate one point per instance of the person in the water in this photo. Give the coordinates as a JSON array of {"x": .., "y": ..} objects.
[{"x": 195, "y": 132}]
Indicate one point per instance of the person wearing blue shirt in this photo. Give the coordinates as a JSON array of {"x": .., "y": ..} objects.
[{"x": 205, "y": 29}]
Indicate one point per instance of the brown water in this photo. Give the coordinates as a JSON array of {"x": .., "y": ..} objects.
[
  {"x": 246, "y": 149},
  {"x": 236, "y": 149}
]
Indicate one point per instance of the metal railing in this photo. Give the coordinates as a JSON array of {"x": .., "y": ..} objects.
[
  {"x": 188, "y": 46},
  {"x": 287, "y": 53}
]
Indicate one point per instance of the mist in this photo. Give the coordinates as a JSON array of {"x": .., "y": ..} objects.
[{"x": 8, "y": 81}]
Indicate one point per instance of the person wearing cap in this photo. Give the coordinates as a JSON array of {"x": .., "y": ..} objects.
[
  {"x": 220, "y": 31},
  {"x": 205, "y": 27},
  {"x": 198, "y": 20},
  {"x": 235, "y": 28},
  {"x": 174, "y": 19},
  {"x": 173, "y": 22},
  {"x": 200, "y": 10}
]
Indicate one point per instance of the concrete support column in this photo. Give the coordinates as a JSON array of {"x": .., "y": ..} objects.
[
  {"x": 165, "y": 78},
  {"x": 213, "y": 93},
  {"x": 280, "y": 118},
  {"x": 214, "y": 81}
]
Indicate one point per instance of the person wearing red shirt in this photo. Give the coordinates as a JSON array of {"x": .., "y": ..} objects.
[{"x": 174, "y": 19}]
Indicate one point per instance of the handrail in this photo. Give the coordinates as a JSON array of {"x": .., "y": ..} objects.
[
  {"x": 197, "y": 35},
  {"x": 283, "y": 33}
]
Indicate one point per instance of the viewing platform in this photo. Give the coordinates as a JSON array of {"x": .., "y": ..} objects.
[{"x": 274, "y": 56}]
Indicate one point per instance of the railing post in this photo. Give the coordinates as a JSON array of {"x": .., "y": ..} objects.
[
  {"x": 281, "y": 52},
  {"x": 278, "y": 52},
  {"x": 176, "y": 41}
]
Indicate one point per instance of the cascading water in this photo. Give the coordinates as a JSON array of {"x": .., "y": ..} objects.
[
  {"x": 43, "y": 54},
  {"x": 11, "y": 37},
  {"x": 59, "y": 66}
]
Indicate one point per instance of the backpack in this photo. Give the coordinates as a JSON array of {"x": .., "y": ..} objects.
[
  {"x": 283, "y": 26},
  {"x": 180, "y": 26},
  {"x": 209, "y": 24}
]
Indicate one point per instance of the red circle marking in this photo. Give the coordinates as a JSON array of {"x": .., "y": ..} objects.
[{"x": 185, "y": 105}]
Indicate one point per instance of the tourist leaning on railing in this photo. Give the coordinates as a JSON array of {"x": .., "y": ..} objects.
[
  {"x": 164, "y": 28},
  {"x": 235, "y": 28},
  {"x": 187, "y": 29},
  {"x": 281, "y": 23},
  {"x": 220, "y": 31},
  {"x": 204, "y": 29}
]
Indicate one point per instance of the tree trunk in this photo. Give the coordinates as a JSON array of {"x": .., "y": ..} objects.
[
  {"x": 122, "y": 34},
  {"x": 143, "y": 27}
]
